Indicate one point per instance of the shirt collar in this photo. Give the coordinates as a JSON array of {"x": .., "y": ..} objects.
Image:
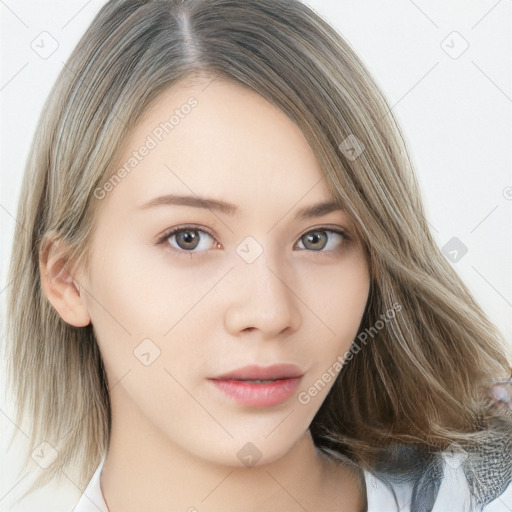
[{"x": 92, "y": 498}]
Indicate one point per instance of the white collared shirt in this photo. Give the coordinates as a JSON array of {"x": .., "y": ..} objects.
[{"x": 453, "y": 495}]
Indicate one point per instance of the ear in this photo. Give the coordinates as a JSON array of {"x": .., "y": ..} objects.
[{"x": 59, "y": 285}]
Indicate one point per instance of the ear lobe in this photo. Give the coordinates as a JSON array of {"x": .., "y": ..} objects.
[{"x": 59, "y": 285}]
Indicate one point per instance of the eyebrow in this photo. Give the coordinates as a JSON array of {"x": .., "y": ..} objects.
[{"x": 308, "y": 212}]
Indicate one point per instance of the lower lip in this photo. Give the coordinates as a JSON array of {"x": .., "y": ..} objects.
[{"x": 258, "y": 395}]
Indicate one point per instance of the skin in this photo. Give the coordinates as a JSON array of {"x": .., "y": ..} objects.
[{"x": 175, "y": 437}]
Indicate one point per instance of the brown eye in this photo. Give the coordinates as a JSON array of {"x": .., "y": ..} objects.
[
  {"x": 319, "y": 239},
  {"x": 315, "y": 240},
  {"x": 187, "y": 239}
]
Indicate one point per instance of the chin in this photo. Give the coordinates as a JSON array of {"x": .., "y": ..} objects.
[{"x": 240, "y": 454}]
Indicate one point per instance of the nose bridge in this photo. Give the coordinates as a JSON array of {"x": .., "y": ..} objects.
[{"x": 262, "y": 298}]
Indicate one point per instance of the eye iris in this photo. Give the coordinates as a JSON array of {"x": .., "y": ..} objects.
[
  {"x": 315, "y": 237},
  {"x": 187, "y": 237}
]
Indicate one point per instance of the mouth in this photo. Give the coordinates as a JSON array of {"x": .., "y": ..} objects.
[
  {"x": 257, "y": 386},
  {"x": 263, "y": 373}
]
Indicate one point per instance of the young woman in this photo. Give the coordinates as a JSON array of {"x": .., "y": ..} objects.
[{"x": 225, "y": 295}]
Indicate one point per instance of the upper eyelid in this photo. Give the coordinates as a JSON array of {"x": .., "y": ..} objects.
[{"x": 172, "y": 231}]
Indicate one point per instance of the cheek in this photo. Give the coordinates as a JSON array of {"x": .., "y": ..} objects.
[
  {"x": 338, "y": 297},
  {"x": 142, "y": 302},
  {"x": 339, "y": 300},
  {"x": 142, "y": 288}
]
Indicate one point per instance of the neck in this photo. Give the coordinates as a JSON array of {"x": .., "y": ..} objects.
[{"x": 161, "y": 476}]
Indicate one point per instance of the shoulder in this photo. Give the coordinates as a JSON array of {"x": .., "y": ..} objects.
[{"x": 454, "y": 490}]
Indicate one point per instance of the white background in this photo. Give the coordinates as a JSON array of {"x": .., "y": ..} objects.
[{"x": 455, "y": 113}]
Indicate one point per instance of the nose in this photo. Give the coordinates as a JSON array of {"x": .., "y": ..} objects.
[{"x": 262, "y": 299}]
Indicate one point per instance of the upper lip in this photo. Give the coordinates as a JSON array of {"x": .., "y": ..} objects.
[{"x": 255, "y": 372}]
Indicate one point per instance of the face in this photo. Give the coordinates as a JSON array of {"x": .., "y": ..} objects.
[{"x": 180, "y": 291}]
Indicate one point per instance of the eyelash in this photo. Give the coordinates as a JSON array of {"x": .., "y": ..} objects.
[{"x": 191, "y": 254}]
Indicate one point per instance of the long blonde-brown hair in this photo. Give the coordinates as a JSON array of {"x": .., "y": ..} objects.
[{"x": 421, "y": 378}]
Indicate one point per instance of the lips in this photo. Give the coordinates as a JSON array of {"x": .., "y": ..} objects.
[
  {"x": 254, "y": 372},
  {"x": 259, "y": 386}
]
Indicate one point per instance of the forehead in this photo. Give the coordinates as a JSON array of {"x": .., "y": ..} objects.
[{"x": 218, "y": 138}]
